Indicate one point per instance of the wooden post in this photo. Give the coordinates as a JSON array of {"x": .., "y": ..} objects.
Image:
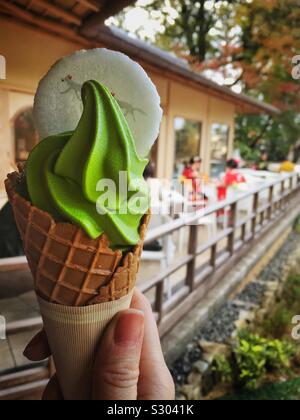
[
  {"x": 213, "y": 256},
  {"x": 191, "y": 268},
  {"x": 291, "y": 189},
  {"x": 255, "y": 208},
  {"x": 231, "y": 238},
  {"x": 270, "y": 210},
  {"x": 243, "y": 235},
  {"x": 159, "y": 300},
  {"x": 281, "y": 206}
]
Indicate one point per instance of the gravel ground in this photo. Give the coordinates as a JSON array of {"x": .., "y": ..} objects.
[
  {"x": 253, "y": 293},
  {"x": 276, "y": 268},
  {"x": 221, "y": 326},
  {"x": 182, "y": 367},
  {"x": 218, "y": 330}
]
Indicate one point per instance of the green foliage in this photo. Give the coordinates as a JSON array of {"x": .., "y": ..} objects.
[
  {"x": 277, "y": 135},
  {"x": 253, "y": 357},
  {"x": 297, "y": 226},
  {"x": 283, "y": 391},
  {"x": 291, "y": 293},
  {"x": 279, "y": 322},
  {"x": 190, "y": 30},
  {"x": 222, "y": 367},
  {"x": 248, "y": 154}
]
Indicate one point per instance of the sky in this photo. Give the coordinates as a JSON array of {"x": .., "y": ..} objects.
[{"x": 147, "y": 25}]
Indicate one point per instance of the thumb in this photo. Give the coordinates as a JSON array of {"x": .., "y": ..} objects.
[{"x": 116, "y": 372}]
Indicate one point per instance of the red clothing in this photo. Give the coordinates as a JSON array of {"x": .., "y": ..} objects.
[
  {"x": 232, "y": 177},
  {"x": 188, "y": 173}
]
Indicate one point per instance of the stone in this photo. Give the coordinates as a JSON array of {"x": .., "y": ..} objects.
[
  {"x": 272, "y": 286},
  {"x": 297, "y": 358},
  {"x": 201, "y": 366},
  {"x": 262, "y": 314},
  {"x": 191, "y": 392},
  {"x": 248, "y": 316},
  {"x": 208, "y": 382},
  {"x": 208, "y": 358},
  {"x": 242, "y": 324},
  {"x": 214, "y": 349},
  {"x": 194, "y": 378}
]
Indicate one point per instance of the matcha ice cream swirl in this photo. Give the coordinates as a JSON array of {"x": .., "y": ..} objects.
[{"x": 92, "y": 177}]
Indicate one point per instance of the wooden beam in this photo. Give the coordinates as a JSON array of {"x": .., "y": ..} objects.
[
  {"x": 90, "y": 5},
  {"x": 22, "y": 377},
  {"x": 31, "y": 391},
  {"x": 91, "y": 25},
  {"x": 44, "y": 23},
  {"x": 12, "y": 264},
  {"x": 22, "y": 326},
  {"x": 58, "y": 11}
]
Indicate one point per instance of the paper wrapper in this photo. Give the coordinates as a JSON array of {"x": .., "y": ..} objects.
[{"x": 74, "y": 334}]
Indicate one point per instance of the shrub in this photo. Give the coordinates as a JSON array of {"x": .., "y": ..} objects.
[
  {"x": 279, "y": 323},
  {"x": 291, "y": 293},
  {"x": 223, "y": 369},
  {"x": 252, "y": 358},
  {"x": 297, "y": 225}
]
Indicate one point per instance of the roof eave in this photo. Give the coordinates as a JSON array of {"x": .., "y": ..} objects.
[{"x": 117, "y": 39}]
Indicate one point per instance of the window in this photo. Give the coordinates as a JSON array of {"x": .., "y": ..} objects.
[
  {"x": 219, "y": 148},
  {"x": 187, "y": 141},
  {"x": 26, "y": 136}
]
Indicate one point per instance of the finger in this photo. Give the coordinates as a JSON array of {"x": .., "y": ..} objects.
[
  {"x": 118, "y": 359},
  {"x": 155, "y": 382},
  {"x": 52, "y": 391},
  {"x": 38, "y": 349}
]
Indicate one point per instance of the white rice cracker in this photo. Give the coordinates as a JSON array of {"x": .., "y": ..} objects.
[{"x": 58, "y": 104}]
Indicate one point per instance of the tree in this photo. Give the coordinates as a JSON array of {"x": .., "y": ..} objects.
[
  {"x": 187, "y": 25},
  {"x": 252, "y": 43},
  {"x": 276, "y": 135}
]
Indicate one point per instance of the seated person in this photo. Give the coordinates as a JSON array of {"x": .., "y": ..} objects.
[
  {"x": 149, "y": 176},
  {"x": 192, "y": 172},
  {"x": 232, "y": 177}
]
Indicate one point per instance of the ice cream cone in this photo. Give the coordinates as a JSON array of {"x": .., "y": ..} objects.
[
  {"x": 81, "y": 284},
  {"x": 68, "y": 267}
]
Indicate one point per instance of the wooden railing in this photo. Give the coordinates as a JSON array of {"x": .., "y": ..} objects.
[{"x": 224, "y": 250}]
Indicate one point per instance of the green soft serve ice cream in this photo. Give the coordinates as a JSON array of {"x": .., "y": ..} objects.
[{"x": 92, "y": 176}]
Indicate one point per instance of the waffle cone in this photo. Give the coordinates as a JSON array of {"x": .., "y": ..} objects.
[
  {"x": 68, "y": 267},
  {"x": 81, "y": 285}
]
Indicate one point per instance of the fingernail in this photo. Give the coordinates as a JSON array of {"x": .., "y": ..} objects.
[{"x": 129, "y": 328}]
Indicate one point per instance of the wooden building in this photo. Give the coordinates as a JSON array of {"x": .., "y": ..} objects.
[{"x": 198, "y": 113}]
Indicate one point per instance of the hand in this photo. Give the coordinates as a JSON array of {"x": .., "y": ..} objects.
[{"x": 134, "y": 367}]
